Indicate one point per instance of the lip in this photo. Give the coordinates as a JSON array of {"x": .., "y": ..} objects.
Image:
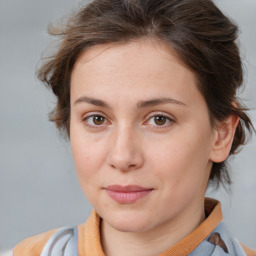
[{"x": 127, "y": 194}]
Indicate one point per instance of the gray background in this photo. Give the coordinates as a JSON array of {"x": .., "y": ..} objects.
[{"x": 38, "y": 185}]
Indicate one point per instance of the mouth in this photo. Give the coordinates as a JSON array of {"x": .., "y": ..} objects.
[{"x": 127, "y": 194}]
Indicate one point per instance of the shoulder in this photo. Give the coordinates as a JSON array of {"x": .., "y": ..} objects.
[
  {"x": 33, "y": 245},
  {"x": 54, "y": 242},
  {"x": 248, "y": 251}
]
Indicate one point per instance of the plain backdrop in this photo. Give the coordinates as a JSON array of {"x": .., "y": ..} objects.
[{"x": 38, "y": 185}]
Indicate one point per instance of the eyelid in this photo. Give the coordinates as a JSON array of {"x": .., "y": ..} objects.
[
  {"x": 160, "y": 113},
  {"x": 93, "y": 113}
]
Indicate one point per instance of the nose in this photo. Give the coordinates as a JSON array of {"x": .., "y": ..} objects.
[{"x": 125, "y": 153}]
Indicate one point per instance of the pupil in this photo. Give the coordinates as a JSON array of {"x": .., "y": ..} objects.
[
  {"x": 160, "y": 120},
  {"x": 98, "y": 120}
]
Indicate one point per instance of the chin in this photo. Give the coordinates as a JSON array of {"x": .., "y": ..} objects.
[
  {"x": 130, "y": 227},
  {"x": 129, "y": 222}
]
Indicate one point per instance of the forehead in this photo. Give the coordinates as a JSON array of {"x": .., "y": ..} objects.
[
  {"x": 142, "y": 46},
  {"x": 147, "y": 66},
  {"x": 139, "y": 55}
]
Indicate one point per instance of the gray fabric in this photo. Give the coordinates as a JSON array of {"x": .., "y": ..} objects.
[
  {"x": 62, "y": 243},
  {"x": 206, "y": 248}
]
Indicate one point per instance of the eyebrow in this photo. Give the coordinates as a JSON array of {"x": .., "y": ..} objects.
[
  {"x": 139, "y": 105},
  {"x": 95, "y": 102},
  {"x": 154, "y": 102}
]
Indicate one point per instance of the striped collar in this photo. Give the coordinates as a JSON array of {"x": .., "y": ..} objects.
[{"x": 89, "y": 233}]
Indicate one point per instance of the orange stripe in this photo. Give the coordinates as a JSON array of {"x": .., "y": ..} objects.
[
  {"x": 33, "y": 245},
  {"x": 248, "y": 251},
  {"x": 89, "y": 237}
]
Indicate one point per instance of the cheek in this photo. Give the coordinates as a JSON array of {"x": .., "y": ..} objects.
[
  {"x": 87, "y": 163},
  {"x": 86, "y": 158},
  {"x": 87, "y": 154},
  {"x": 181, "y": 162}
]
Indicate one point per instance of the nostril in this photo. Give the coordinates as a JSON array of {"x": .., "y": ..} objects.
[
  {"x": 131, "y": 166},
  {"x": 113, "y": 166}
]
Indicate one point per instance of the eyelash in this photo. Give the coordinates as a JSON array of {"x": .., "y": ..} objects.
[{"x": 154, "y": 115}]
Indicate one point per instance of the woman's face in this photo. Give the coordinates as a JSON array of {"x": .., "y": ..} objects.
[{"x": 140, "y": 135}]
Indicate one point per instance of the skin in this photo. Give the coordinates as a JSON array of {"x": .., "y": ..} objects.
[{"x": 126, "y": 145}]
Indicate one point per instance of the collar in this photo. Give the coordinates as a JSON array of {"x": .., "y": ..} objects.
[{"x": 89, "y": 233}]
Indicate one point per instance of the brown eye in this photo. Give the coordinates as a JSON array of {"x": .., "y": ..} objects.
[
  {"x": 94, "y": 120},
  {"x": 98, "y": 120},
  {"x": 160, "y": 120}
]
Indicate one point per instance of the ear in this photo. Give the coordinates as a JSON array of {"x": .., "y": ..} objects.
[{"x": 223, "y": 139}]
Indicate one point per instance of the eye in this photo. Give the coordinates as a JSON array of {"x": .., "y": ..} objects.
[
  {"x": 94, "y": 120},
  {"x": 160, "y": 120}
]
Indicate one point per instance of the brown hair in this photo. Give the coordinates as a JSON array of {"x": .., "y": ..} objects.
[{"x": 202, "y": 37}]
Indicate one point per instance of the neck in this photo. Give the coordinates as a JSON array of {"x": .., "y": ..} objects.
[{"x": 151, "y": 242}]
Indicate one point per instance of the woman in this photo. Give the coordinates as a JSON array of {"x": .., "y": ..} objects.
[{"x": 147, "y": 95}]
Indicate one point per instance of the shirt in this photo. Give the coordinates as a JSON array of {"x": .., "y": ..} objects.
[{"x": 210, "y": 238}]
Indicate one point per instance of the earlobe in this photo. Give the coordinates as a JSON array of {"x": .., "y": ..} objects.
[{"x": 224, "y": 135}]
